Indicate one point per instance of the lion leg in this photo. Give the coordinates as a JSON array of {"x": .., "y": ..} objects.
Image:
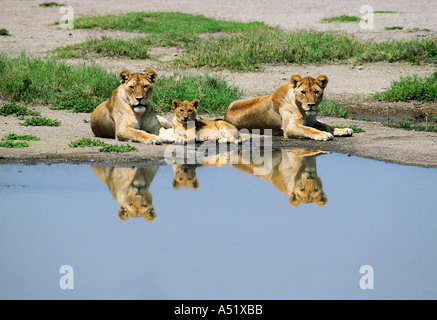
[
  {"x": 102, "y": 124},
  {"x": 298, "y": 130},
  {"x": 337, "y": 132},
  {"x": 131, "y": 134}
]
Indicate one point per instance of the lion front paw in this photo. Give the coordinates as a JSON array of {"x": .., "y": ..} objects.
[
  {"x": 346, "y": 132},
  {"x": 324, "y": 136}
]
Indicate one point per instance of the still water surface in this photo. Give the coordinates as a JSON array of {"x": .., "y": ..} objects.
[{"x": 206, "y": 232}]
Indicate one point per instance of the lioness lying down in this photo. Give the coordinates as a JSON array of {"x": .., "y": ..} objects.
[
  {"x": 186, "y": 124},
  {"x": 128, "y": 114},
  {"x": 290, "y": 111}
]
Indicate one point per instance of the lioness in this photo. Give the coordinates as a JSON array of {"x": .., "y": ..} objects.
[
  {"x": 290, "y": 111},
  {"x": 293, "y": 172},
  {"x": 186, "y": 124},
  {"x": 130, "y": 187},
  {"x": 128, "y": 114}
]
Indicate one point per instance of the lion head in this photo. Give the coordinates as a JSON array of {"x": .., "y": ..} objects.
[
  {"x": 185, "y": 110},
  {"x": 185, "y": 176},
  {"x": 137, "y": 88},
  {"x": 308, "y": 92}
]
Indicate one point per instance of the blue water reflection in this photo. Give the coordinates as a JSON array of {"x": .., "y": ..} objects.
[{"x": 230, "y": 235}]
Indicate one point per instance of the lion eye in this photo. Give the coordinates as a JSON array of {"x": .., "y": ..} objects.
[
  {"x": 131, "y": 87},
  {"x": 181, "y": 110},
  {"x": 190, "y": 111},
  {"x": 146, "y": 86},
  {"x": 303, "y": 92},
  {"x": 316, "y": 92}
]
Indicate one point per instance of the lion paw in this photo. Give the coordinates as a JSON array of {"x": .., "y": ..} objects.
[
  {"x": 343, "y": 132},
  {"x": 324, "y": 136}
]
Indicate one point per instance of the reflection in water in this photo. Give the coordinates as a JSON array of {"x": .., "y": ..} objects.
[
  {"x": 291, "y": 171},
  {"x": 130, "y": 187},
  {"x": 185, "y": 176}
]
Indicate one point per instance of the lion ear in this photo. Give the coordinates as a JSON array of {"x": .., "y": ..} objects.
[
  {"x": 295, "y": 79},
  {"x": 176, "y": 103},
  {"x": 321, "y": 201},
  {"x": 322, "y": 81},
  {"x": 175, "y": 184},
  {"x": 123, "y": 214},
  {"x": 195, "y": 184},
  {"x": 151, "y": 75},
  {"x": 196, "y": 103},
  {"x": 124, "y": 76},
  {"x": 293, "y": 200}
]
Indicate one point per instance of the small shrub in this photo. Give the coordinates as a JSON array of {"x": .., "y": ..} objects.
[
  {"x": 333, "y": 108},
  {"x": 405, "y": 123},
  {"x": 4, "y": 32},
  {"x": 14, "y": 136},
  {"x": 394, "y": 28},
  {"x": 14, "y": 109},
  {"x": 41, "y": 121},
  {"x": 14, "y": 144},
  {"x": 117, "y": 148},
  {"x": 86, "y": 142},
  {"x": 342, "y": 18}
]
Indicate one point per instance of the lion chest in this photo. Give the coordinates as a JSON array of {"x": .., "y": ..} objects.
[{"x": 310, "y": 120}]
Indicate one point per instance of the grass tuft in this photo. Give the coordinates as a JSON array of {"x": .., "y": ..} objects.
[
  {"x": 4, "y": 32},
  {"x": 387, "y": 11},
  {"x": 333, "y": 108},
  {"x": 50, "y": 4},
  {"x": 14, "y": 136},
  {"x": 86, "y": 142},
  {"x": 411, "y": 88},
  {"x": 405, "y": 123},
  {"x": 394, "y": 28},
  {"x": 342, "y": 18},
  {"x": 14, "y": 109},
  {"x": 14, "y": 144},
  {"x": 41, "y": 121}
]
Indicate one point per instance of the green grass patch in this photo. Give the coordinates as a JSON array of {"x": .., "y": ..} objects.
[
  {"x": 117, "y": 148},
  {"x": 166, "y": 28},
  {"x": 41, "y": 121},
  {"x": 333, "y": 108},
  {"x": 137, "y": 48},
  {"x": 37, "y": 81},
  {"x": 394, "y": 28},
  {"x": 4, "y": 32},
  {"x": 342, "y": 18},
  {"x": 239, "y": 46},
  {"x": 50, "y": 4},
  {"x": 214, "y": 93},
  {"x": 411, "y": 88},
  {"x": 14, "y": 144},
  {"x": 354, "y": 128},
  {"x": 14, "y": 136},
  {"x": 388, "y": 11},
  {"x": 405, "y": 123},
  {"x": 86, "y": 142},
  {"x": 16, "y": 110}
]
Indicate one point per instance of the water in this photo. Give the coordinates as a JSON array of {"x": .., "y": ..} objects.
[{"x": 220, "y": 232}]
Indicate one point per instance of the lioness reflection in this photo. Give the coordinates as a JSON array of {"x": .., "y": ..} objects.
[
  {"x": 130, "y": 187},
  {"x": 292, "y": 171}
]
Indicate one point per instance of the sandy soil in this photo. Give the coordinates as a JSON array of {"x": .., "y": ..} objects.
[{"x": 33, "y": 31}]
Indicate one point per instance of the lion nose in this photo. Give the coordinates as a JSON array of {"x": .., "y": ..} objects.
[
  {"x": 185, "y": 118},
  {"x": 139, "y": 99},
  {"x": 311, "y": 105}
]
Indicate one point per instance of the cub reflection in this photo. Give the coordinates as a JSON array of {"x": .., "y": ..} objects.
[
  {"x": 130, "y": 187},
  {"x": 185, "y": 176},
  {"x": 293, "y": 172}
]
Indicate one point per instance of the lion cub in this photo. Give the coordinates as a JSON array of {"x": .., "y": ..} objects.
[{"x": 186, "y": 124}]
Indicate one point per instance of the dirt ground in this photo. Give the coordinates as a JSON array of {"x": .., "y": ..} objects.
[{"x": 33, "y": 32}]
